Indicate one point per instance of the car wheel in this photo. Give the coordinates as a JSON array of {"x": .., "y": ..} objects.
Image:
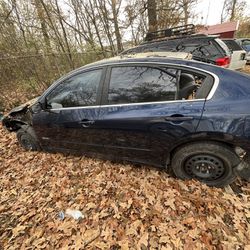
[
  {"x": 209, "y": 162},
  {"x": 27, "y": 141}
]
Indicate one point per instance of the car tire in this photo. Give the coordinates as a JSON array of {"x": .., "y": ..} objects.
[
  {"x": 209, "y": 162},
  {"x": 26, "y": 140}
]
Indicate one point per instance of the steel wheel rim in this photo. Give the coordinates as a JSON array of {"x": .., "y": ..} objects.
[
  {"x": 26, "y": 143},
  {"x": 205, "y": 167}
]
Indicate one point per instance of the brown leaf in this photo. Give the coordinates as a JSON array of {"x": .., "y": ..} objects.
[
  {"x": 18, "y": 230},
  {"x": 143, "y": 242}
]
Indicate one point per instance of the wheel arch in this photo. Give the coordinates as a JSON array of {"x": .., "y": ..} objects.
[
  {"x": 27, "y": 129},
  {"x": 228, "y": 143},
  {"x": 14, "y": 125},
  {"x": 209, "y": 161}
]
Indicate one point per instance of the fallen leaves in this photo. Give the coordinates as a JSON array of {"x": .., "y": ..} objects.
[
  {"x": 124, "y": 207},
  {"x": 18, "y": 230}
]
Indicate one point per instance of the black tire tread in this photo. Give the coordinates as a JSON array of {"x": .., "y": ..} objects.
[
  {"x": 24, "y": 133},
  {"x": 224, "y": 151}
]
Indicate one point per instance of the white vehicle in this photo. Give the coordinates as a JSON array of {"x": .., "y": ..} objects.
[
  {"x": 238, "y": 55},
  {"x": 245, "y": 44}
]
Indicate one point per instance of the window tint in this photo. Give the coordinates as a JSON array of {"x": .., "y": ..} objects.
[
  {"x": 231, "y": 44},
  {"x": 79, "y": 90},
  {"x": 246, "y": 42},
  {"x": 246, "y": 45},
  {"x": 141, "y": 84},
  {"x": 201, "y": 48},
  {"x": 207, "y": 49}
]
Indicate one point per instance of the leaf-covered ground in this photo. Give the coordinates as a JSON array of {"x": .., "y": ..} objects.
[{"x": 125, "y": 207}]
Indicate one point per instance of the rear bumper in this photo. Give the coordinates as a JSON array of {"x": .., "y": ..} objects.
[{"x": 243, "y": 169}]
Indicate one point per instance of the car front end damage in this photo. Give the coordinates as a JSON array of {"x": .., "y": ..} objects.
[{"x": 19, "y": 116}]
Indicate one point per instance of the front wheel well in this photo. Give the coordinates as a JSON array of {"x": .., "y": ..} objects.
[{"x": 14, "y": 125}]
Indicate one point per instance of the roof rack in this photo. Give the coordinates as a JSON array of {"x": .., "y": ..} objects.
[{"x": 178, "y": 31}]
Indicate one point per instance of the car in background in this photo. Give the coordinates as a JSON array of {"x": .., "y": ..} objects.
[
  {"x": 185, "y": 115},
  {"x": 204, "y": 48},
  {"x": 238, "y": 54},
  {"x": 245, "y": 44},
  {"x": 209, "y": 49}
]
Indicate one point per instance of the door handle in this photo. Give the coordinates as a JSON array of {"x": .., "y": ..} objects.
[
  {"x": 178, "y": 118},
  {"x": 86, "y": 123}
]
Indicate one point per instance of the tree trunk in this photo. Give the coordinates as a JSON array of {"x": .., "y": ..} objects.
[
  {"x": 233, "y": 10},
  {"x": 152, "y": 16},
  {"x": 64, "y": 35},
  {"x": 186, "y": 11},
  {"x": 115, "y": 11},
  {"x": 41, "y": 17}
]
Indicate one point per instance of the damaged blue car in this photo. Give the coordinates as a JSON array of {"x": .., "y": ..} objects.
[{"x": 188, "y": 116}]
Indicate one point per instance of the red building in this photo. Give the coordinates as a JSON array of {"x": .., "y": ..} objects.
[{"x": 224, "y": 30}]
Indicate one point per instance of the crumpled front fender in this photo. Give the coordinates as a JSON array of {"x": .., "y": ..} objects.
[
  {"x": 12, "y": 124},
  {"x": 18, "y": 116}
]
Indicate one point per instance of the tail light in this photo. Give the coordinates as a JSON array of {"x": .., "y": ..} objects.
[{"x": 223, "y": 62}]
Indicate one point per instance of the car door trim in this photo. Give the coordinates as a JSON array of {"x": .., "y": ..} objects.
[{"x": 129, "y": 104}]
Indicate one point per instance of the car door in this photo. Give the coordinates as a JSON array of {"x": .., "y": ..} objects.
[
  {"x": 141, "y": 117},
  {"x": 68, "y": 123}
]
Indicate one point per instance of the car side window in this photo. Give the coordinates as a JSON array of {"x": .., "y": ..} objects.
[
  {"x": 194, "y": 85},
  {"x": 246, "y": 45},
  {"x": 78, "y": 90},
  {"x": 137, "y": 84}
]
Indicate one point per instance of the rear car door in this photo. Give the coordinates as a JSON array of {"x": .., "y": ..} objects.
[
  {"x": 145, "y": 111},
  {"x": 68, "y": 123}
]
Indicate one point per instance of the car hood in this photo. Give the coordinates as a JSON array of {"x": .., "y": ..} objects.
[{"x": 23, "y": 106}]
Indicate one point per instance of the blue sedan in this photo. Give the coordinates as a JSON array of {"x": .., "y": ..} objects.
[{"x": 189, "y": 116}]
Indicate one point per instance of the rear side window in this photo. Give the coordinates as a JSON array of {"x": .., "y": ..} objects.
[
  {"x": 202, "y": 48},
  {"x": 246, "y": 45},
  {"x": 137, "y": 84},
  {"x": 232, "y": 45},
  {"x": 206, "y": 50}
]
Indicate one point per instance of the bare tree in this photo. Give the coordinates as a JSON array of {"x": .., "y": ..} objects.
[
  {"x": 152, "y": 15},
  {"x": 42, "y": 20},
  {"x": 115, "y": 6},
  {"x": 232, "y": 10},
  {"x": 186, "y": 9}
]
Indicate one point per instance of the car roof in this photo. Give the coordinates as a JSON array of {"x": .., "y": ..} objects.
[
  {"x": 144, "y": 58},
  {"x": 160, "y": 57},
  {"x": 144, "y": 55}
]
